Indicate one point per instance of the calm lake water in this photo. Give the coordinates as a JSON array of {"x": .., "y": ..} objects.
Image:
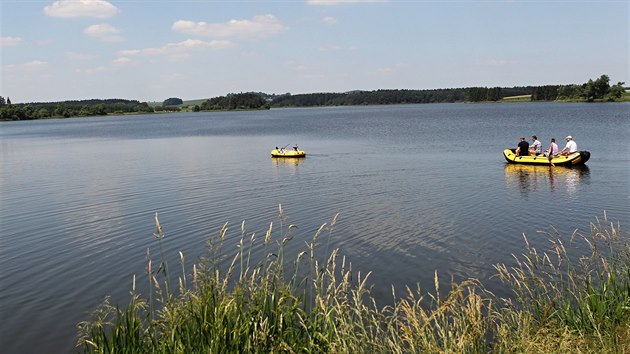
[{"x": 419, "y": 188}]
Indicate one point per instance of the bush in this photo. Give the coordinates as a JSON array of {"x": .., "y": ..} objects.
[{"x": 173, "y": 101}]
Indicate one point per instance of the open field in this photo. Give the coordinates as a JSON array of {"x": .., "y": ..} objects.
[{"x": 521, "y": 98}]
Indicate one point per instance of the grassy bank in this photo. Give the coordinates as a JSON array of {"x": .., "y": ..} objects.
[
  {"x": 521, "y": 98},
  {"x": 528, "y": 98},
  {"x": 573, "y": 296}
]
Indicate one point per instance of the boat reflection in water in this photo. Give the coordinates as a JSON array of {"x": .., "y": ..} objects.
[
  {"x": 284, "y": 166},
  {"x": 281, "y": 161},
  {"x": 530, "y": 178}
]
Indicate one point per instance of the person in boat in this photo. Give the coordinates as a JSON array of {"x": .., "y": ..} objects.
[
  {"x": 552, "y": 151},
  {"x": 571, "y": 146},
  {"x": 553, "y": 148},
  {"x": 536, "y": 147},
  {"x": 523, "y": 147},
  {"x": 295, "y": 148}
]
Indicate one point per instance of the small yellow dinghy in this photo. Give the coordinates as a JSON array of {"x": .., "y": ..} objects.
[
  {"x": 576, "y": 158},
  {"x": 288, "y": 153}
]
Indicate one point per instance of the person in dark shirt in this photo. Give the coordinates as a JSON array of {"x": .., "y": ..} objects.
[{"x": 523, "y": 148}]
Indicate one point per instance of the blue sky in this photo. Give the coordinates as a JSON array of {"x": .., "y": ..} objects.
[{"x": 152, "y": 50}]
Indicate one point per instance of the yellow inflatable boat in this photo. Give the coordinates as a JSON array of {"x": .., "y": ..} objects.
[
  {"x": 287, "y": 153},
  {"x": 576, "y": 158}
]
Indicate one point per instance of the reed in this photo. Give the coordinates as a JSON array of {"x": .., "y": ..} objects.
[
  {"x": 578, "y": 290},
  {"x": 567, "y": 298}
]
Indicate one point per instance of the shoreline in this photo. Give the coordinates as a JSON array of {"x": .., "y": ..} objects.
[{"x": 512, "y": 99}]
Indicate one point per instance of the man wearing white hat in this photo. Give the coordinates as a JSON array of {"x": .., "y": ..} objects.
[{"x": 571, "y": 146}]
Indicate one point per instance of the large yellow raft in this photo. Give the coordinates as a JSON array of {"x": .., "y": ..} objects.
[
  {"x": 576, "y": 158},
  {"x": 287, "y": 153}
]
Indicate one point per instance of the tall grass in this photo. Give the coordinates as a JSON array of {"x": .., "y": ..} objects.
[
  {"x": 565, "y": 299},
  {"x": 580, "y": 285}
]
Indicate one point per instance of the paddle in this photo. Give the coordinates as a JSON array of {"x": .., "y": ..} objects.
[
  {"x": 281, "y": 150},
  {"x": 514, "y": 159}
]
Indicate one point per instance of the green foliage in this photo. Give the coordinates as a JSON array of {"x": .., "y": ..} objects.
[
  {"x": 66, "y": 109},
  {"x": 597, "y": 90},
  {"x": 482, "y": 94},
  {"x": 167, "y": 109},
  {"x": 235, "y": 101},
  {"x": 566, "y": 300},
  {"x": 173, "y": 101},
  {"x": 569, "y": 92},
  {"x": 616, "y": 92},
  {"x": 378, "y": 97},
  {"x": 545, "y": 93}
]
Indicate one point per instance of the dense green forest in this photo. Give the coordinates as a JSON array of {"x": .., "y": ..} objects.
[
  {"x": 248, "y": 100},
  {"x": 598, "y": 90},
  {"x": 378, "y": 97},
  {"x": 66, "y": 109}
]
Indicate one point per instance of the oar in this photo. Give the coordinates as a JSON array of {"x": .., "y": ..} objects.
[{"x": 282, "y": 148}]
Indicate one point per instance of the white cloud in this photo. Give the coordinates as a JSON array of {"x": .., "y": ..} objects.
[
  {"x": 262, "y": 25},
  {"x": 178, "y": 49},
  {"x": 10, "y": 41},
  {"x": 121, "y": 61},
  {"x": 329, "y": 20},
  {"x": 335, "y": 2},
  {"x": 81, "y": 8},
  {"x": 104, "y": 32},
  {"x": 28, "y": 66}
]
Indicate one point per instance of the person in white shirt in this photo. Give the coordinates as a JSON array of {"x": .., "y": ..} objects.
[
  {"x": 571, "y": 146},
  {"x": 536, "y": 147}
]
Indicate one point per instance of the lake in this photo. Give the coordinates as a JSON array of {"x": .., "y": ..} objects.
[{"x": 419, "y": 188}]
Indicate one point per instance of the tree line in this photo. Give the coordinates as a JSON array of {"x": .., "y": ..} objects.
[
  {"x": 249, "y": 100},
  {"x": 67, "y": 109},
  {"x": 96, "y": 107},
  {"x": 380, "y": 97},
  {"x": 593, "y": 90}
]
